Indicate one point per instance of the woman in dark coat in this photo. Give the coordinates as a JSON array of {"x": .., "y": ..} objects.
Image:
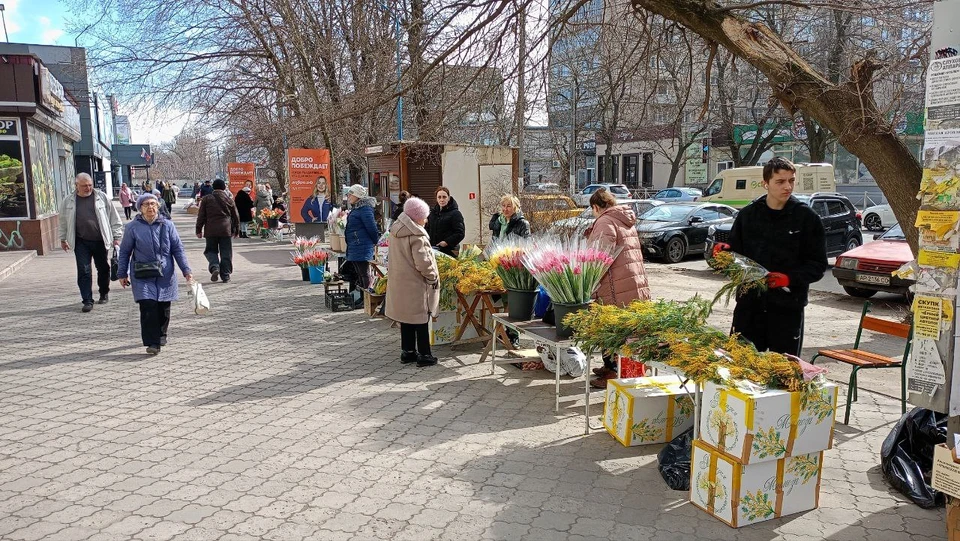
[
  {"x": 510, "y": 220},
  {"x": 245, "y": 208},
  {"x": 401, "y": 200},
  {"x": 446, "y": 223}
]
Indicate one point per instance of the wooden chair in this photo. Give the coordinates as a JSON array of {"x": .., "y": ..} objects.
[{"x": 860, "y": 359}]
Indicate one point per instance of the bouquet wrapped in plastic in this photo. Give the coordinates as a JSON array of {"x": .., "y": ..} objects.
[
  {"x": 744, "y": 274},
  {"x": 569, "y": 269},
  {"x": 316, "y": 258},
  {"x": 506, "y": 258},
  {"x": 337, "y": 221},
  {"x": 303, "y": 245}
]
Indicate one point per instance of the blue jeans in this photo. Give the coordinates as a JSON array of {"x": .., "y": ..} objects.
[{"x": 84, "y": 250}]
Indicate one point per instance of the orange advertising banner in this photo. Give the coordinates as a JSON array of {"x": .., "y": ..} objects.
[
  {"x": 240, "y": 175},
  {"x": 309, "y": 173}
]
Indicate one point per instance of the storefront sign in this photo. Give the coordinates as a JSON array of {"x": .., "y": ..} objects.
[
  {"x": 9, "y": 128},
  {"x": 309, "y": 173},
  {"x": 373, "y": 150},
  {"x": 241, "y": 175},
  {"x": 122, "y": 123},
  {"x": 13, "y": 186},
  {"x": 51, "y": 91}
]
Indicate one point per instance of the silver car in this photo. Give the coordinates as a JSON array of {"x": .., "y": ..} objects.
[
  {"x": 678, "y": 194},
  {"x": 580, "y": 223},
  {"x": 620, "y": 191}
]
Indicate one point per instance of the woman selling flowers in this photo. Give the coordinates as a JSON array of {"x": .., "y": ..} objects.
[
  {"x": 626, "y": 281},
  {"x": 413, "y": 291}
]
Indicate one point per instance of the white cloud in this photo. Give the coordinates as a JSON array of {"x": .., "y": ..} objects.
[
  {"x": 154, "y": 128},
  {"x": 50, "y": 36},
  {"x": 44, "y": 21}
]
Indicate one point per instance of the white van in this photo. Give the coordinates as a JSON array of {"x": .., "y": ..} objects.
[{"x": 739, "y": 186}]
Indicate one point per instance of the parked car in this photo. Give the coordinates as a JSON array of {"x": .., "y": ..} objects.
[
  {"x": 869, "y": 268},
  {"x": 678, "y": 194},
  {"x": 672, "y": 231},
  {"x": 620, "y": 191},
  {"x": 841, "y": 224},
  {"x": 877, "y": 217},
  {"x": 586, "y": 218},
  {"x": 539, "y": 188},
  {"x": 543, "y": 210}
]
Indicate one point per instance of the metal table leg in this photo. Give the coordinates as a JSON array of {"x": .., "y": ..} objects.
[{"x": 493, "y": 350}]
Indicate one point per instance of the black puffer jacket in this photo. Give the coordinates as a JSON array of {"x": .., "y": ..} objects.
[
  {"x": 518, "y": 225},
  {"x": 446, "y": 224},
  {"x": 790, "y": 241},
  {"x": 244, "y": 206}
]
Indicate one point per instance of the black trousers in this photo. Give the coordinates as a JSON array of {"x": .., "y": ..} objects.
[
  {"x": 219, "y": 254},
  {"x": 357, "y": 273},
  {"x": 415, "y": 337},
  {"x": 774, "y": 328},
  {"x": 127, "y": 211},
  {"x": 154, "y": 320},
  {"x": 83, "y": 250}
]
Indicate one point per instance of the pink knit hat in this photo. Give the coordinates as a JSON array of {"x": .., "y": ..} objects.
[{"x": 416, "y": 209}]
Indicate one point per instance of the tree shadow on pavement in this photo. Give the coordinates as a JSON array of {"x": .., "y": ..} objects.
[
  {"x": 273, "y": 257},
  {"x": 74, "y": 357}
]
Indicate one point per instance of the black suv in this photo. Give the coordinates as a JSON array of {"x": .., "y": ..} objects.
[{"x": 839, "y": 217}]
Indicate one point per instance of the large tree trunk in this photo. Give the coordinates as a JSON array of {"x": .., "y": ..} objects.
[{"x": 847, "y": 109}]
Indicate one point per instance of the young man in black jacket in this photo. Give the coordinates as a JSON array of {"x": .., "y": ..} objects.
[{"x": 787, "y": 238}]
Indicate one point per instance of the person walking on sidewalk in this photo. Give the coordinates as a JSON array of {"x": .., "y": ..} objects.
[
  {"x": 91, "y": 225},
  {"x": 169, "y": 195},
  {"x": 361, "y": 235},
  {"x": 150, "y": 246},
  {"x": 626, "y": 281},
  {"x": 413, "y": 291},
  {"x": 787, "y": 238},
  {"x": 219, "y": 223},
  {"x": 244, "y": 201},
  {"x": 126, "y": 200}
]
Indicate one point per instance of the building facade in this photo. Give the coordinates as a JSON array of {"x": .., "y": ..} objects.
[{"x": 39, "y": 128}]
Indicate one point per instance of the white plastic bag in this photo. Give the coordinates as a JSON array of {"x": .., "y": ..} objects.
[
  {"x": 573, "y": 362},
  {"x": 201, "y": 304}
]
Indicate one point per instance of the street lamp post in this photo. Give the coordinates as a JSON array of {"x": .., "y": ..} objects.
[
  {"x": 4, "y": 17},
  {"x": 396, "y": 30}
]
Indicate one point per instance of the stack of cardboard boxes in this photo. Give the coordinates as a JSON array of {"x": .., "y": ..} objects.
[{"x": 759, "y": 455}]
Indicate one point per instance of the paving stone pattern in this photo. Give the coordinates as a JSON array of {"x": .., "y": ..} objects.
[{"x": 273, "y": 418}]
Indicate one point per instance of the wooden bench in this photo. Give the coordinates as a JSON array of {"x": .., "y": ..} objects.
[{"x": 861, "y": 359}]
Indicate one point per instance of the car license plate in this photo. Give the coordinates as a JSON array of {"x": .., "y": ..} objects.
[{"x": 873, "y": 279}]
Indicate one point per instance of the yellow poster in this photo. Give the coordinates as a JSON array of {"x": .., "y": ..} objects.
[
  {"x": 927, "y": 314},
  {"x": 940, "y": 222},
  {"x": 933, "y": 258}
]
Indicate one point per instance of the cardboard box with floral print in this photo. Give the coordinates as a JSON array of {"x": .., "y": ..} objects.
[
  {"x": 763, "y": 427},
  {"x": 641, "y": 411},
  {"x": 741, "y": 494}
]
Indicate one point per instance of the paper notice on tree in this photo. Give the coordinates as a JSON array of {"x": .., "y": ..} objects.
[
  {"x": 925, "y": 372},
  {"x": 941, "y": 222},
  {"x": 943, "y": 80},
  {"x": 950, "y": 260},
  {"x": 926, "y": 317}
]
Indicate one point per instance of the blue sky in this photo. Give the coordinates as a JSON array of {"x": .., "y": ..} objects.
[{"x": 36, "y": 21}]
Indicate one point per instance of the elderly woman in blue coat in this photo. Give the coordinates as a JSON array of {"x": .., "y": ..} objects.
[
  {"x": 149, "y": 248},
  {"x": 361, "y": 235}
]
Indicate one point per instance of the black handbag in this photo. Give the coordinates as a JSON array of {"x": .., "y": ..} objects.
[
  {"x": 147, "y": 269},
  {"x": 114, "y": 266}
]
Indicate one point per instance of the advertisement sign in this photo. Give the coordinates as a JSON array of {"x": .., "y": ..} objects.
[
  {"x": 51, "y": 91},
  {"x": 13, "y": 186},
  {"x": 240, "y": 175},
  {"x": 309, "y": 173},
  {"x": 123, "y": 129}
]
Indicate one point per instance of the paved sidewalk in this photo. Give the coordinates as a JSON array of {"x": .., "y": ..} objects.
[{"x": 273, "y": 418}]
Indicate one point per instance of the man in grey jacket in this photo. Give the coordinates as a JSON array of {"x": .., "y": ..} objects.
[{"x": 90, "y": 224}]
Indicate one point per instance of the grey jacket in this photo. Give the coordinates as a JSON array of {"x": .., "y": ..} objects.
[{"x": 111, "y": 227}]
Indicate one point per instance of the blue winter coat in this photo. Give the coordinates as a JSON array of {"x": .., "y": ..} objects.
[
  {"x": 145, "y": 242},
  {"x": 361, "y": 232},
  {"x": 314, "y": 211}
]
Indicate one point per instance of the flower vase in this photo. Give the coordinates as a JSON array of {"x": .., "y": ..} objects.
[
  {"x": 560, "y": 311},
  {"x": 316, "y": 274},
  {"x": 520, "y": 304},
  {"x": 305, "y": 274},
  {"x": 273, "y": 223}
]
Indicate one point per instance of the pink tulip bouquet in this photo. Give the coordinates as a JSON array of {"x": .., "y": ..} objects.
[
  {"x": 506, "y": 258},
  {"x": 569, "y": 269}
]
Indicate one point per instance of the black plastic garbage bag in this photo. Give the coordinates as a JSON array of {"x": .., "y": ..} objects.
[
  {"x": 674, "y": 461},
  {"x": 906, "y": 456}
]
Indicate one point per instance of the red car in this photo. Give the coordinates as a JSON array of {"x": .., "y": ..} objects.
[{"x": 867, "y": 269}]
